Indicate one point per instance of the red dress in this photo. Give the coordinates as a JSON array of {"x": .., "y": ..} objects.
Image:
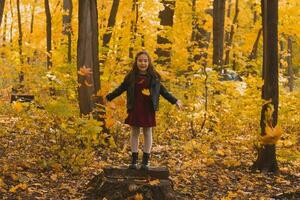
[{"x": 142, "y": 114}]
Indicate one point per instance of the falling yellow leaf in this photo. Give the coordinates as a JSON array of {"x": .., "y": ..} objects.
[
  {"x": 84, "y": 71},
  {"x": 87, "y": 83},
  {"x": 154, "y": 182},
  {"x": 146, "y": 92},
  {"x": 138, "y": 196},
  {"x": 272, "y": 135}
]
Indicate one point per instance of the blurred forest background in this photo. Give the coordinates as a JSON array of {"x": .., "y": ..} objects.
[{"x": 52, "y": 146}]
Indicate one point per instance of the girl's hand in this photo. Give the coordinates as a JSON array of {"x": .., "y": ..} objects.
[{"x": 179, "y": 104}]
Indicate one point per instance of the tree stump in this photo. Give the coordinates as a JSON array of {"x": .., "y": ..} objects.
[{"x": 124, "y": 183}]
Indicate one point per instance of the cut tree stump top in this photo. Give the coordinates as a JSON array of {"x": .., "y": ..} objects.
[{"x": 124, "y": 172}]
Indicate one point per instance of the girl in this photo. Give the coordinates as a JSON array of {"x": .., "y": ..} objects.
[{"x": 143, "y": 87}]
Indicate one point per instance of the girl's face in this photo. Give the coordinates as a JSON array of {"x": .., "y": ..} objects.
[{"x": 142, "y": 63}]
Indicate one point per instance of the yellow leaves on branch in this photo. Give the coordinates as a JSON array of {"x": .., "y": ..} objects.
[{"x": 272, "y": 135}]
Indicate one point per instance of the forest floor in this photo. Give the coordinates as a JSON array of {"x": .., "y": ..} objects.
[{"x": 199, "y": 169}]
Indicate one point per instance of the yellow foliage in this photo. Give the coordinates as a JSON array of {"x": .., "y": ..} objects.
[{"x": 17, "y": 106}]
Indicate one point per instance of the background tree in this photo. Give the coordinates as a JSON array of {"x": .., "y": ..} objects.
[
  {"x": 108, "y": 33},
  {"x": 49, "y": 34},
  {"x": 229, "y": 35},
  {"x": 290, "y": 63},
  {"x": 87, "y": 55},
  {"x": 20, "y": 42},
  {"x": 67, "y": 25},
  {"x": 2, "y": 4},
  {"x": 266, "y": 160},
  {"x": 199, "y": 39},
  {"x": 133, "y": 26},
  {"x": 218, "y": 32},
  {"x": 163, "y": 51}
]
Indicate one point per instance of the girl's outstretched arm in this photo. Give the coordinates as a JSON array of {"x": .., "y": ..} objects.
[
  {"x": 167, "y": 95},
  {"x": 118, "y": 91}
]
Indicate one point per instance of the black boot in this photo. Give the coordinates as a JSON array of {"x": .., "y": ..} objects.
[
  {"x": 134, "y": 160},
  {"x": 145, "y": 165}
]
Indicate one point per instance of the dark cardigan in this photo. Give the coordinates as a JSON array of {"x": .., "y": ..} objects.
[{"x": 156, "y": 89}]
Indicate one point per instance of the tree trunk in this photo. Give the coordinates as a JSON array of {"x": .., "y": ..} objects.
[
  {"x": 253, "y": 54},
  {"x": 255, "y": 16},
  {"x": 133, "y": 28},
  {"x": 2, "y": 4},
  {"x": 31, "y": 26},
  {"x": 218, "y": 32},
  {"x": 266, "y": 160},
  {"x": 11, "y": 24},
  {"x": 281, "y": 52},
  {"x": 230, "y": 38},
  {"x": 87, "y": 50},
  {"x": 67, "y": 26},
  {"x": 4, "y": 30},
  {"x": 21, "y": 75},
  {"x": 166, "y": 22},
  {"x": 107, "y": 35},
  {"x": 290, "y": 64},
  {"x": 199, "y": 41},
  {"x": 49, "y": 34}
]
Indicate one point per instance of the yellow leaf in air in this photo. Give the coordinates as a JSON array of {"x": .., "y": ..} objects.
[
  {"x": 146, "y": 92},
  {"x": 154, "y": 182},
  {"x": 84, "y": 71},
  {"x": 87, "y": 83},
  {"x": 17, "y": 106},
  {"x": 138, "y": 196},
  {"x": 272, "y": 135}
]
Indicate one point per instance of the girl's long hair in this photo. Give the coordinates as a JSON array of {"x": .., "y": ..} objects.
[{"x": 151, "y": 72}]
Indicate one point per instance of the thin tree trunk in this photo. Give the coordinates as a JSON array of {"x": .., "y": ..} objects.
[
  {"x": 108, "y": 33},
  {"x": 31, "y": 25},
  {"x": 232, "y": 30},
  {"x": 2, "y": 4},
  {"x": 67, "y": 26},
  {"x": 4, "y": 30},
  {"x": 281, "y": 52},
  {"x": 21, "y": 75},
  {"x": 166, "y": 22},
  {"x": 49, "y": 34},
  {"x": 255, "y": 15},
  {"x": 290, "y": 64},
  {"x": 199, "y": 41},
  {"x": 253, "y": 54},
  {"x": 266, "y": 160},
  {"x": 218, "y": 32},
  {"x": 11, "y": 24},
  {"x": 133, "y": 28},
  {"x": 87, "y": 55}
]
